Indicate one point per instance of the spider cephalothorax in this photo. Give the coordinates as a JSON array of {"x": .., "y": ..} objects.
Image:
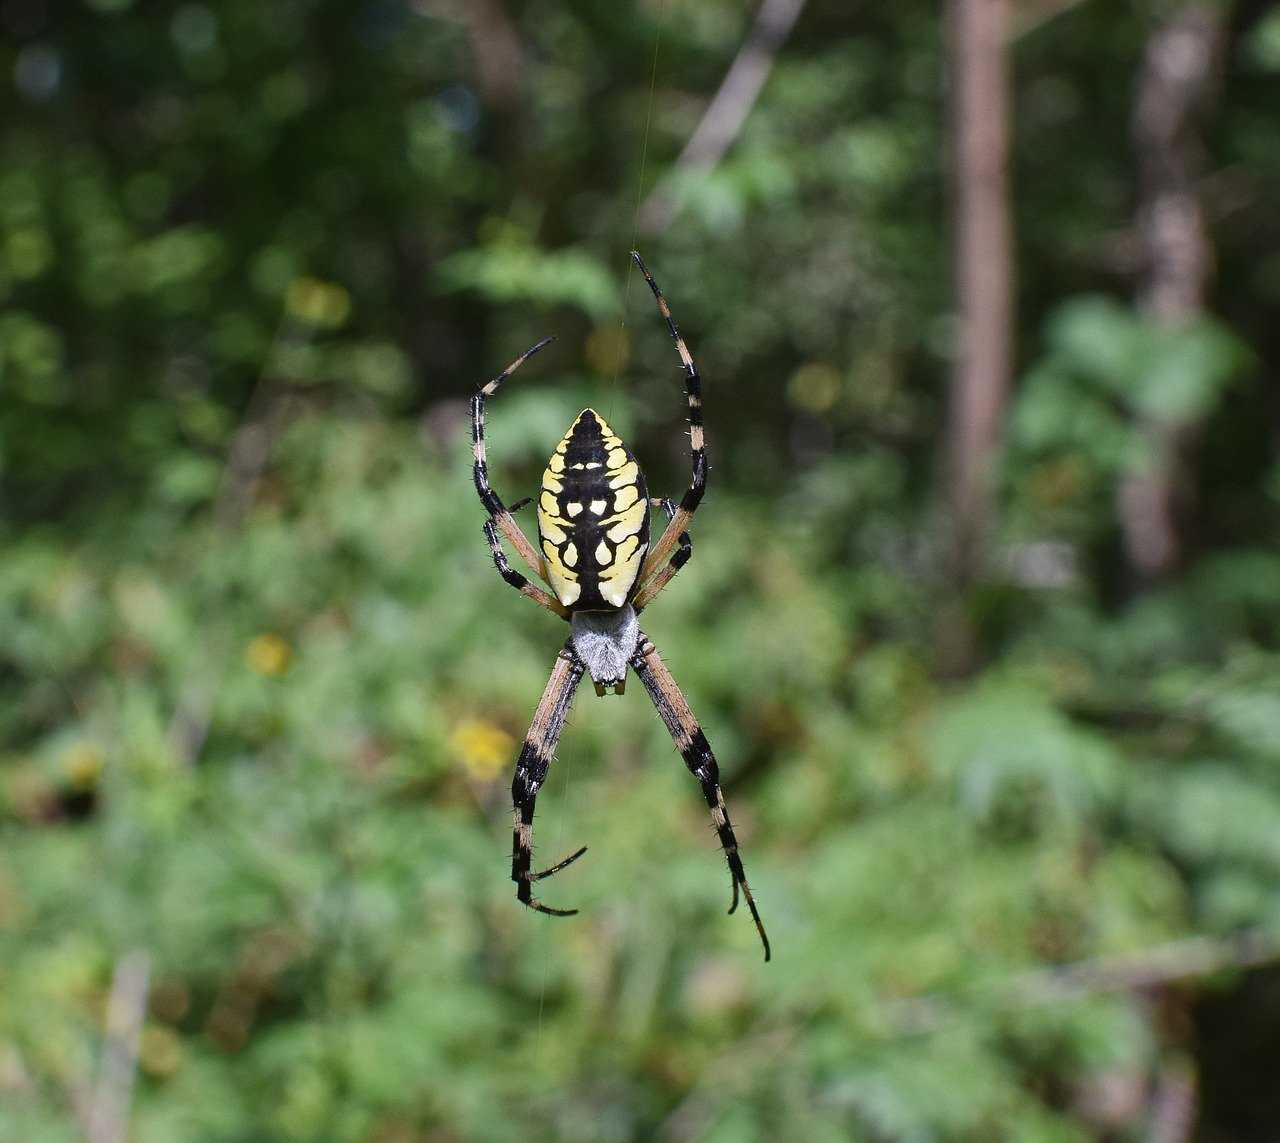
[{"x": 593, "y": 529}]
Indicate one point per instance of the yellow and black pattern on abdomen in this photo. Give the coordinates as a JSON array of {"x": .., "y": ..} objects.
[{"x": 593, "y": 517}]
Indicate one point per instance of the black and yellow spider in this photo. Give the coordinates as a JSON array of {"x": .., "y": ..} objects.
[{"x": 593, "y": 524}]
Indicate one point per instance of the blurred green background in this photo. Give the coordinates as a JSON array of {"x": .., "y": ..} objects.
[{"x": 261, "y": 690}]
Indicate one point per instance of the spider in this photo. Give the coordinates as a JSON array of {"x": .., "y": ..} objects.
[{"x": 595, "y": 556}]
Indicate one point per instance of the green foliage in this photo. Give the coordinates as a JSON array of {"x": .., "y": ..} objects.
[
  {"x": 1106, "y": 372},
  {"x": 520, "y": 272},
  {"x": 337, "y": 952},
  {"x": 260, "y": 689}
]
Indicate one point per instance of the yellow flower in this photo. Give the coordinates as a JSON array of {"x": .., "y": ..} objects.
[
  {"x": 815, "y": 387},
  {"x": 82, "y": 764},
  {"x": 317, "y": 303},
  {"x": 160, "y": 1051},
  {"x": 485, "y": 749},
  {"x": 268, "y": 655}
]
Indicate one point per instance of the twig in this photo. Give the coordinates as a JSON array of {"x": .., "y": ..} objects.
[
  {"x": 1031, "y": 17},
  {"x": 728, "y": 110},
  {"x": 1188, "y": 959},
  {"x": 108, "y": 1110},
  {"x": 249, "y": 452}
]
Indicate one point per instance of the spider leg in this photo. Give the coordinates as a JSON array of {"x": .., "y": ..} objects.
[
  {"x": 531, "y": 771},
  {"x": 693, "y": 393},
  {"x": 516, "y": 580},
  {"x": 651, "y": 590},
  {"x": 499, "y": 513},
  {"x": 674, "y": 711}
]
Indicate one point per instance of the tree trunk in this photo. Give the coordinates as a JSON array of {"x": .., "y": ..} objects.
[
  {"x": 1178, "y": 75},
  {"x": 984, "y": 287}
]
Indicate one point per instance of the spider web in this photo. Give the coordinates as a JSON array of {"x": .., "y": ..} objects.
[{"x": 627, "y": 274}]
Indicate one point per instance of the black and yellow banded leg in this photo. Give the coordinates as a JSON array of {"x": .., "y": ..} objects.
[
  {"x": 697, "y": 445},
  {"x": 651, "y": 590},
  {"x": 674, "y": 711},
  {"x": 531, "y": 771},
  {"x": 516, "y": 580},
  {"x": 498, "y": 512}
]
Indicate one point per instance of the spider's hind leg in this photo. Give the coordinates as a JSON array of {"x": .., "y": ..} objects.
[
  {"x": 692, "y": 743},
  {"x": 531, "y": 771}
]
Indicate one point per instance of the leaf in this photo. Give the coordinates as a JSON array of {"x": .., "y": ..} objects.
[
  {"x": 1188, "y": 371},
  {"x": 1098, "y": 339},
  {"x": 510, "y": 273}
]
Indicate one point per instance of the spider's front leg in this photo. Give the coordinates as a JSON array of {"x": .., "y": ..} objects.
[
  {"x": 531, "y": 771},
  {"x": 674, "y": 711},
  {"x": 697, "y": 443},
  {"x": 651, "y": 590},
  {"x": 515, "y": 579},
  {"x": 499, "y": 513}
]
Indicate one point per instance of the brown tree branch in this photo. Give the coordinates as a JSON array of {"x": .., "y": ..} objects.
[
  {"x": 983, "y": 268},
  {"x": 1139, "y": 971},
  {"x": 727, "y": 111},
  {"x": 1030, "y": 17},
  {"x": 107, "y": 1113},
  {"x": 983, "y": 277}
]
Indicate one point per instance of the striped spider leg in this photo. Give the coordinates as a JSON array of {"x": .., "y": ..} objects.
[
  {"x": 515, "y": 579},
  {"x": 671, "y": 705},
  {"x": 593, "y": 552},
  {"x": 499, "y": 513},
  {"x": 531, "y": 771},
  {"x": 679, "y": 523},
  {"x": 647, "y": 594},
  {"x": 673, "y": 709}
]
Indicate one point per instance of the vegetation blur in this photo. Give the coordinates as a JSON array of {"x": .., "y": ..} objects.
[{"x": 988, "y": 652}]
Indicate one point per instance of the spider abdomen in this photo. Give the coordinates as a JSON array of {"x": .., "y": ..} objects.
[{"x": 593, "y": 517}]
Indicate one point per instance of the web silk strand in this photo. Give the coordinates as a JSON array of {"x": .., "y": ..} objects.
[{"x": 627, "y": 275}]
